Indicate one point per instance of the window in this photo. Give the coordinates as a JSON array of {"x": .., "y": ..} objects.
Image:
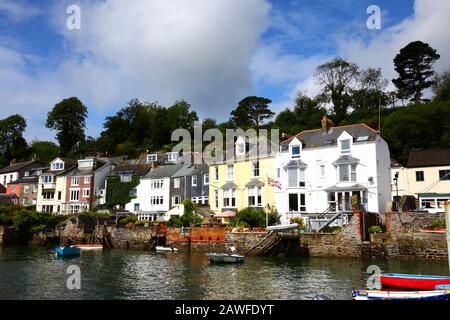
[
  {"x": 157, "y": 184},
  {"x": 86, "y": 193},
  {"x": 59, "y": 195},
  {"x": 206, "y": 179},
  {"x": 176, "y": 183},
  {"x": 74, "y": 195},
  {"x": 295, "y": 151},
  {"x": 126, "y": 177},
  {"x": 216, "y": 173},
  {"x": 241, "y": 148},
  {"x": 176, "y": 200},
  {"x": 47, "y": 209},
  {"x": 444, "y": 175},
  {"x": 322, "y": 170},
  {"x": 230, "y": 172},
  {"x": 297, "y": 202},
  {"x": 48, "y": 195},
  {"x": 26, "y": 189},
  {"x": 296, "y": 177},
  {"x": 87, "y": 180},
  {"x": 57, "y": 166},
  {"x": 157, "y": 200},
  {"x": 47, "y": 179},
  {"x": 347, "y": 172},
  {"x": 152, "y": 157},
  {"x": 194, "y": 181},
  {"x": 27, "y": 173},
  {"x": 420, "y": 176},
  {"x": 75, "y": 181},
  {"x": 254, "y": 197},
  {"x": 229, "y": 197},
  {"x": 255, "y": 169},
  {"x": 278, "y": 173},
  {"x": 345, "y": 146},
  {"x": 172, "y": 156},
  {"x": 216, "y": 198},
  {"x": 136, "y": 207}
]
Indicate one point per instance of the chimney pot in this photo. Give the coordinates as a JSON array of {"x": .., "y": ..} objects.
[{"x": 326, "y": 124}]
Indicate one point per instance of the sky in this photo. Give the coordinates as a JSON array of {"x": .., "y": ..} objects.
[{"x": 211, "y": 53}]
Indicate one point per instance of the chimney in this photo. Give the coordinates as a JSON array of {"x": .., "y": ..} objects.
[{"x": 326, "y": 124}]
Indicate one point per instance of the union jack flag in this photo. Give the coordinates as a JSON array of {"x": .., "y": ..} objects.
[{"x": 273, "y": 183}]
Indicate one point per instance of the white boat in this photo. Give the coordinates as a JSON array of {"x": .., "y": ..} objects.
[
  {"x": 166, "y": 249},
  {"x": 283, "y": 227},
  {"x": 401, "y": 295},
  {"x": 89, "y": 246},
  {"x": 225, "y": 258}
]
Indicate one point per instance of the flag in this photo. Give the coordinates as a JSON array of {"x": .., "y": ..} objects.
[{"x": 273, "y": 183}]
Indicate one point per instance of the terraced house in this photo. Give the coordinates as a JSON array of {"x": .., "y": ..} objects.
[
  {"x": 242, "y": 181},
  {"x": 26, "y": 187}
]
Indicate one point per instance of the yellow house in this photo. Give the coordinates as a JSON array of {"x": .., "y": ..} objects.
[{"x": 238, "y": 184}]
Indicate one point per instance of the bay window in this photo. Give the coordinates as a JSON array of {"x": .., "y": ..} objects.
[
  {"x": 255, "y": 197},
  {"x": 296, "y": 177},
  {"x": 347, "y": 172},
  {"x": 229, "y": 198}
]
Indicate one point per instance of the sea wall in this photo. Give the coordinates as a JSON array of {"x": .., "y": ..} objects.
[
  {"x": 9, "y": 237},
  {"x": 403, "y": 238}
]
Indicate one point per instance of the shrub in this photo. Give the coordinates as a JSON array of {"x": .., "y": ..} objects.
[
  {"x": 139, "y": 223},
  {"x": 375, "y": 229},
  {"x": 38, "y": 228},
  {"x": 329, "y": 229},
  {"x": 437, "y": 224},
  {"x": 250, "y": 217},
  {"x": 298, "y": 220},
  {"x": 127, "y": 219}
]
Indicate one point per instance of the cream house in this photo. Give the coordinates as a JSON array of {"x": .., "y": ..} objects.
[{"x": 426, "y": 176}]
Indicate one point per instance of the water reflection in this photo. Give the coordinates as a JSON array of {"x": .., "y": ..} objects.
[{"x": 35, "y": 273}]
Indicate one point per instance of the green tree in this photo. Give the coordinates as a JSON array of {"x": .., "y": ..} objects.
[
  {"x": 441, "y": 86},
  {"x": 336, "y": 78},
  {"x": 12, "y": 143},
  {"x": 252, "y": 111},
  {"x": 180, "y": 116},
  {"x": 46, "y": 151},
  {"x": 68, "y": 118},
  {"x": 189, "y": 217},
  {"x": 250, "y": 217},
  {"x": 414, "y": 64}
]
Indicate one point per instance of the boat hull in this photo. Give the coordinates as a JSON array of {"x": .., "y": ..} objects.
[
  {"x": 413, "y": 282},
  {"x": 224, "y": 258},
  {"x": 166, "y": 249},
  {"x": 89, "y": 247},
  {"x": 67, "y": 251},
  {"x": 401, "y": 295}
]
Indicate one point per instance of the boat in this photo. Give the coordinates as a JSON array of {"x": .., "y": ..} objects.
[
  {"x": 225, "y": 258},
  {"x": 166, "y": 249},
  {"x": 413, "y": 281},
  {"x": 401, "y": 295},
  {"x": 67, "y": 251},
  {"x": 433, "y": 230},
  {"x": 283, "y": 227},
  {"x": 89, "y": 246}
]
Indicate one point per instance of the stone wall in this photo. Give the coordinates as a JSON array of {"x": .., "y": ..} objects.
[
  {"x": 11, "y": 237},
  {"x": 403, "y": 238},
  {"x": 243, "y": 241}
]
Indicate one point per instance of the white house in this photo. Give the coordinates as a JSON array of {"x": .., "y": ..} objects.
[
  {"x": 320, "y": 170},
  {"x": 152, "y": 195}
]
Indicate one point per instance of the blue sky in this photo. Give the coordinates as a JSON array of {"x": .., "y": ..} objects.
[{"x": 211, "y": 53}]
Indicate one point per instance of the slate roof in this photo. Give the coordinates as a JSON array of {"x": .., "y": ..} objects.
[
  {"x": 255, "y": 183},
  {"x": 138, "y": 169},
  {"x": 163, "y": 171},
  {"x": 296, "y": 163},
  {"x": 318, "y": 138},
  {"x": 346, "y": 159},
  {"x": 186, "y": 170},
  {"x": 17, "y": 166},
  {"x": 429, "y": 158}
]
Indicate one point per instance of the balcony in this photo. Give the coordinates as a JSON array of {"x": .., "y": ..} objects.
[{"x": 49, "y": 186}]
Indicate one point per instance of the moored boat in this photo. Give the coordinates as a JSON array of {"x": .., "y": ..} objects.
[
  {"x": 224, "y": 258},
  {"x": 401, "y": 295},
  {"x": 413, "y": 281},
  {"x": 67, "y": 251},
  {"x": 89, "y": 246},
  {"x": 165, "y": 249}
]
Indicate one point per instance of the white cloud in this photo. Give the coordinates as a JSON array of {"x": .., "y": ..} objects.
[
  {"x": 18, "y": 11},
  {"x": 149, "y": 49}
]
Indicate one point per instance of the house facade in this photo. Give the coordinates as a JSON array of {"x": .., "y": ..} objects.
[
  {"x": 319, "y": 171},
  {"x": 26, "y": 188},
  {"x": 242, "y": 181},
  {"x": 15, "y": 171},
  {"x": 152, "y": 195},
  {"x": 426, "y": 176},
  {"x": 190, "y": 182}
]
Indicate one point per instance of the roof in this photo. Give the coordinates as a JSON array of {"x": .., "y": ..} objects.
[
  {"x": 225, "y": 214},
  {"x": 17, "y": 166},
  {"x": 138, "y": 169},
  {"x": 318, "y": 138},
  {"x": 296, "y": 163},
  {"x": 434, "y": 195},
  {"x": 29, "y": 179},
  {"x": 200, "y": 169},
  {"x": 355, "y": 187},
  {"x": 345, "y": 159},
  {"x": 429, "y": 158},
  {"x": 186, "y": 170},
  {"x": 229, "y": 185},
  {"x": 163, "y": 171},
  {"x": 254, "y": 183},
  {"x": 395, "y": 163},
  {"x": 83, "y": 171}
]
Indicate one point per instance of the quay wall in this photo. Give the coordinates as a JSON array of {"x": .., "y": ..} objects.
[{"x": 10, "y": 237}]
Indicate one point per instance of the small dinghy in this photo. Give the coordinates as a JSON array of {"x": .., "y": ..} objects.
[
  {"x": 166, "y": 249},
  {"x": 413, "y": 281},
  {"x": 224, "y": 258},
  {"x": 401, "y": 295},
  {"x": 67, "y": 251},
  {"x": 89, "y": 246}
]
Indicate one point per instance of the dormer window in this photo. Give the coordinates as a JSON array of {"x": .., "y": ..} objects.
[
  {"x": 152, "y": 157},
  {"x": 345, "y": 146},
  {"x": 27, "y": 173},
  {"x": 172, "y": 156},
  {"x": 295, "y": 151},
  {"x": 58, "y": 166},
  {"x": 240, "y": 148}
]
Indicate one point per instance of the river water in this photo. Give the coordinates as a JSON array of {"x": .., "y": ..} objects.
[{"x": 35, "y": 273}]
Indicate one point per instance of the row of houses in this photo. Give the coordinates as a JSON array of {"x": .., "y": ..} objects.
[{"x": 320, "y": 172}]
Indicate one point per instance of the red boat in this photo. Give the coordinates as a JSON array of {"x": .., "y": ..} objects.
[{"x": 413, "y": 281}]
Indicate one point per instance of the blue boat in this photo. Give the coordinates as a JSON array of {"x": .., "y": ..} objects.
[{"x": 67, "y": 251}]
